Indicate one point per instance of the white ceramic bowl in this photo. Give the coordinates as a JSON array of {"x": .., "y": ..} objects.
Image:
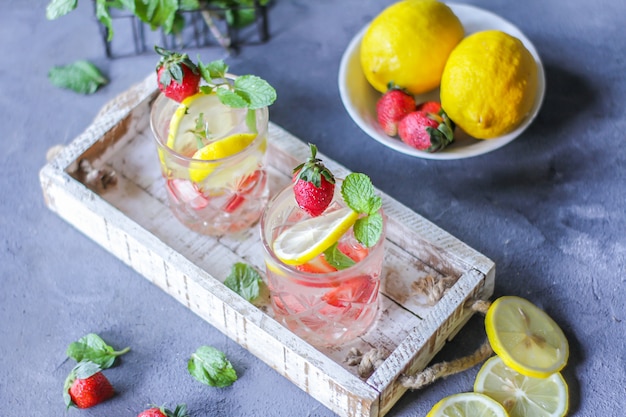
[{"x": 359, "y": 97}]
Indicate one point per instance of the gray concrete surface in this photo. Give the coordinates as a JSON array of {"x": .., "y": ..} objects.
[{"x": 548, "y": 208}]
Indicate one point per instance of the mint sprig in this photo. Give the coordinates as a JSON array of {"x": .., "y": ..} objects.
[
  {"x": 245, "y": 281},
  {"x": 211, "y": 367},
  {"x": 93, "y": 349},
  {"x": 246, "y": 91},
  {"x": 359, "y": 194},
  {"x": 337, "y": 258}
]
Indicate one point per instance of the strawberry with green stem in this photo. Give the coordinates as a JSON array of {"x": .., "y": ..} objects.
[
  {"x": 179, "y": 411},
  {"x": 392, "y": 106},
  {"x": 429, "y": 130},
  {"x": 86, "y": 386},
  {"x": 314, "y": 184},
  {"x": 178, "y": 77}
]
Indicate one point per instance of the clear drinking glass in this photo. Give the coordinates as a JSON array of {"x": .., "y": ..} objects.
[
  {"x": 323, "y": 308},
  {"x": 216, "y": 196}
]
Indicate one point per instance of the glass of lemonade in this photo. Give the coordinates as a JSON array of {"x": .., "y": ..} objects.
[
  {"x": 319, "y": 302},
  {"x": 212, "y": 158}
]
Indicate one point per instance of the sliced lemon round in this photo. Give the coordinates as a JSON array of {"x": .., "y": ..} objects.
[
  {"x": 219, "y": 149},
  {"x": 522, "y": 395},
  {"x": 217, "y": 121},
  {"x": 525, "y": 337},
  {"x": 467, "y": 404},
  {"x": 306, "y": 239}
]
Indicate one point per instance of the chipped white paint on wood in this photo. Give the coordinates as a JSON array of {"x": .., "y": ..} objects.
[{"x": 132, "y": 221}]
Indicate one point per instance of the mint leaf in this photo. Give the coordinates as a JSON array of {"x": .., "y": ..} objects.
[
  {"x": 367, "y": 230},
  {"x": 232, "y": 98},
  {"x": 258, "y": 92},
  {"x": 337, "y": 258},
  {"x": 214, "y": 69},
  {"x": 58, "y": 8},
  {"x": 211, "y": 367},
  {"x": 92, "y": 348},
  {"x": 104, "y": 16},
  {"x": 358, "y": 193},
  {"x": 245, "y": 281},
  {"x": 81, "y": 76}
]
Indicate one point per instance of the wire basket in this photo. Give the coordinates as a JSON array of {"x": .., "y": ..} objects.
[{"x": 205, "y": 27}]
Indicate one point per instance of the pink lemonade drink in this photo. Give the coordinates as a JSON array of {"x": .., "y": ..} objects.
[
  {"x": 212, "y": 158},
  {"x": 326, "y": 298}
]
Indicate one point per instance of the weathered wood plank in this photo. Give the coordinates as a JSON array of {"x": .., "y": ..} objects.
[{"x": 132, "y": 221}]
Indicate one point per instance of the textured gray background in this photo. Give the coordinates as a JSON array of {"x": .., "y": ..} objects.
[{"x": 548, "y": 208}]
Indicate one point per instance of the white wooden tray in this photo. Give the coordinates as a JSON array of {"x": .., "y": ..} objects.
[{"x": 132, "y": 221}]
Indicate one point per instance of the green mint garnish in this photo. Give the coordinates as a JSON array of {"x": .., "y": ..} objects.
[
  {"x": 211, "y": 367},
  {"x": 247, "y": 91},
  {"x": 245, "y": 281},
  {"x": 337, "y": 258},
  {"x": 93, "y": 349},
  {"x": 359, "y": 194},
  {"x": 81, "y": 77}
]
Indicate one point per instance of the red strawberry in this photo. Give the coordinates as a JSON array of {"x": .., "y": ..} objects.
[
  {"x": 314, "y": 185},
  {"x": 318, "y": 265},
  {"x": 430, "y": 107},
  {"x": 86, "y": 386},
  {"x": 392, "y": 107},
  {"x": 180, "y": 411},
  {"x": 427, "y": 131},
  {"x": 178, "y": 77},
  {"x": 354, "y": 290}
]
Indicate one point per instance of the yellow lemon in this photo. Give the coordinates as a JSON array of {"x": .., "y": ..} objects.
[
  {"x": 521, "y": 395},
  {"x": 408, "y": 44},
  {"x": 306, "y": 239},
  {"x": 525, "y": 337},
  {"x": 489, "y": 84},
  {"x": 219, "y": 149},
  {"x": 467, "y": 404}
]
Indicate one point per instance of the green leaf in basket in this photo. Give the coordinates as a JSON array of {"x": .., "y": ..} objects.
[{"x": 245, "y": 281}]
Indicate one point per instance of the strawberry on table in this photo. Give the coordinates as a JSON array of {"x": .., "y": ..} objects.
[
  {"x": 427, "y": 130},
  {"x": 392, "y": 106},
  {"x": 180, "y": 411},
  {"x": 177, "y": 76},
  {"x": 86, "y": 386},
  {"x": 314, "y": 185}
]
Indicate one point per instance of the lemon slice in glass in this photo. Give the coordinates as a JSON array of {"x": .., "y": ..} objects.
[
  {"x": 219, "y": 149},
  {"x": 219, "y": 120},
  {"x": 467, "y": 404},
  {"x": 306, "y": 239},
  {"x": 525, "y": 337},
  {"x": 522, "y": 395}
]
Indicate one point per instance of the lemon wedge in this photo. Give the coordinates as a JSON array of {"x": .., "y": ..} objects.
[
  {"x": 525, "y": 337},
  {"x": 219, "y": 121},
  {"x": 522, "y": 395},
  {"x": 467, "y": 404},
  {"x": 219, "y": 149},
  {"x": 307, "y": 239}
]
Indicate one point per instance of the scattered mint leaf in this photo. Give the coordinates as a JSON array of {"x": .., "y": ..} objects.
[
  {"x": 367, "y": 230},
  {"x": 245, "y": 281},
  {"x": 92, "y": 348},
  {"x": 81, "y": 76},
  {"x": 58, "y": 8},
  {"x": 211, "y": 367},
  {"x": 337, "y": 258}
]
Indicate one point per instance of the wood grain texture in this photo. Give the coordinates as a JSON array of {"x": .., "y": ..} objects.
[{"x": 132, "y": 221}]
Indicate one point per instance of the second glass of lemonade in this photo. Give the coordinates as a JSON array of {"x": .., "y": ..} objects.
[{"x": 212, "y": 158}]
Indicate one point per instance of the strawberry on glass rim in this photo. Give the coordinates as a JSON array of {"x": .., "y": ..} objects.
[{"x": 178, "y": 77}]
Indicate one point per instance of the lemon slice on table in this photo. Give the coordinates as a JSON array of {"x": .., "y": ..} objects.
[
  {"x": 219, "y": 149},
  {"x": 467, "y": 404},
  {"x": 219, "y": 120},
  {"x": 522, "y": 395},
  {"x": 525, "y": 337},
  {"x": 306, "y": 239}
]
